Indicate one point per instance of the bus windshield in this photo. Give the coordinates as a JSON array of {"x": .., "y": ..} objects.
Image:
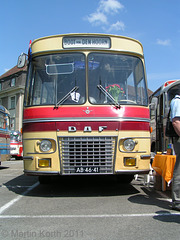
[
  {"x": 61, "y": 79},
  {"x": 120, "y": 75},
  {"x": 53, "y": 77}
]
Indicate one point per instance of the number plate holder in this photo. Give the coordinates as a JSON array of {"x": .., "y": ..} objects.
[{"x": 87, "y": 170}]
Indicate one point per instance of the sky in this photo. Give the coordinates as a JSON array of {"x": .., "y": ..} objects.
[{"x": 155, "y": 23}]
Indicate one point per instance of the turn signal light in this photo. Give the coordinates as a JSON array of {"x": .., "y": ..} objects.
[
  {"x": 129, "y": 162},
  {"x": 44, "y": 162}
]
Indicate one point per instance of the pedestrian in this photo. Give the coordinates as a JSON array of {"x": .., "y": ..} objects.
[{"x": 175, "y": 117}]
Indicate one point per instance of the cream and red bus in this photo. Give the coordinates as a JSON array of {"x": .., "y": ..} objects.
[
  {"x": 86, "y": 107},
  {"x": 16, "y": 144}
]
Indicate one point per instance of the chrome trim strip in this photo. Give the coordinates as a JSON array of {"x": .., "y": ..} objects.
[
  {"x": 39, "y": 173},
  {"x": 119, "y": 119},
  {"x": 145, "y": 156},
  {"x": 132, "y": 171}
]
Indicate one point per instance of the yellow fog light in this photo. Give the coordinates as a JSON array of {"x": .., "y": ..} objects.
[
  {"x": 129, "y": 162},
  {"x": 44, "y": 163}
]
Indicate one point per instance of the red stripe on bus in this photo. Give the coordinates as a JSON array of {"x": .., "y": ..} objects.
[
  {"x": 79, "y": 126},
  {"x": 85, "y": 112}
]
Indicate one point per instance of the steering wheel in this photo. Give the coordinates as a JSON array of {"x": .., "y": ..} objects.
[
  {"x": 127, "y": 100},
  {"x": 92, "y": 100}
]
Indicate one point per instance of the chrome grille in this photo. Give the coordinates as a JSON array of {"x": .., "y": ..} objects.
[{"x": 82, "y": 152}]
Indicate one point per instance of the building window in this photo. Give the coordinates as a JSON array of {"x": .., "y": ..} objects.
[
  {"x": 13, "y": 82},
  {"x": 13, "y": 103}
]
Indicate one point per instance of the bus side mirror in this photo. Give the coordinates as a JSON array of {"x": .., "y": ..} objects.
[
  {"x": 21, "y": 60},
  {"x": 152, "y": 106},
  {"x": 152, "y": 109}
]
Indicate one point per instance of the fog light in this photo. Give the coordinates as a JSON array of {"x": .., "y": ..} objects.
[
  {"x": 44, "y": 162},
  {"x": 129, "y": 162}
]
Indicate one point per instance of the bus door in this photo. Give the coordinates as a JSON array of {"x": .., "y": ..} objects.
[
  {"x": 159, "y": 126},
  {"x": 153, "y": 116}
]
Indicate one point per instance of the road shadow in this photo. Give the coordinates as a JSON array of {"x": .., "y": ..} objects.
[
  {"x": 72, "y": 186},
  {"x": 168, "y": 217},
  {"x": 152, "y": 198},
  {"x": 20, "y": 184}
]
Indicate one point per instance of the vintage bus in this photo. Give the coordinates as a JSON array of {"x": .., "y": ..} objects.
[
  {"x": 86, "y": 107},
  {"x": 4, "y": 134},
  {"x": 160, "y": 103},
  {"x": 16, "y": 144}
]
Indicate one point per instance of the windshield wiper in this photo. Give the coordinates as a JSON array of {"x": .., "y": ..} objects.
[
  {"x": 66, "y": 96},
  {"x": 103, "y": 90}
]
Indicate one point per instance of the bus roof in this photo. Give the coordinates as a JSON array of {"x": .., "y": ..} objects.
[
  {"x": 166, "y": 86},
  {"x": 85, "y": 41}
]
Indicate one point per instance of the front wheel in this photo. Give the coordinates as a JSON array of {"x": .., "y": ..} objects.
[{"x": 125, "y": 178}]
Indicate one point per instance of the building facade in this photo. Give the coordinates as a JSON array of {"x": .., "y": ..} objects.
[{"x": 12, "y": 85}]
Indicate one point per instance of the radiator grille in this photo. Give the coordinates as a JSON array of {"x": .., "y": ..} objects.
[{"x": 86, "y": 153}]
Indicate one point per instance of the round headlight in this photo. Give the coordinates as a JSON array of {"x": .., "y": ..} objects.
[
  {"x": 45, "y": 145},
  {"x": 129, "y": 144}
]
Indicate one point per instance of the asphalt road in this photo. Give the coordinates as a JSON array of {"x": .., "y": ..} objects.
[{"x": 82, "y": 208}]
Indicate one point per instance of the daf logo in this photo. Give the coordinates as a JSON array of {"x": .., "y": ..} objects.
[
  {"x": 87, "y": 111},
  {"x": 101, "y": 128},
  {"x": 71, "y": 129},
  {"x": 86, "y": 128}
]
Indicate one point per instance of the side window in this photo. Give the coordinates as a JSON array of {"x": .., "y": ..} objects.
[
  {"x": 130, "y": 93},
  {"x": 141, "y": 94},
  {"x": 141, "y": 87},
  {"x": 28, "y": 92},
  {"x": 37, "y": 90}
]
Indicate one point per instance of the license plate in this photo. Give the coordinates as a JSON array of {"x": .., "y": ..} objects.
[{"x": 87, "y": 170}]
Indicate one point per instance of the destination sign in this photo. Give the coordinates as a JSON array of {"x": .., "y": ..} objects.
[{"x": 86, "y": 42}]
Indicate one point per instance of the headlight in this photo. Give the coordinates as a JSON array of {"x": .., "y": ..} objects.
[
  {"x": 129, "y": 144},
  {"x": 45, "y": 145}
]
